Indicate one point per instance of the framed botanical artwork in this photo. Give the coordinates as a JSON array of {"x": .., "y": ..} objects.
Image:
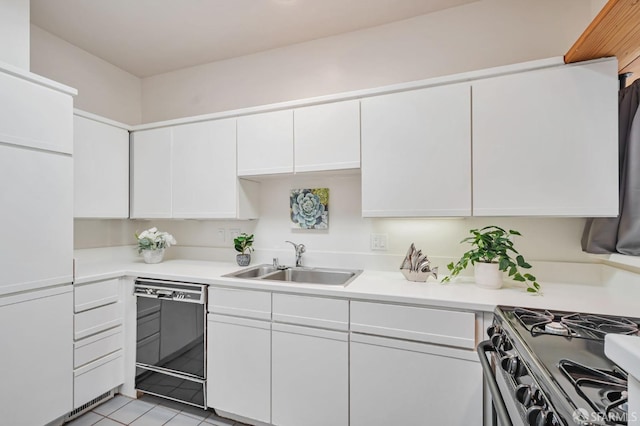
[{"x": 309, "y": 208}]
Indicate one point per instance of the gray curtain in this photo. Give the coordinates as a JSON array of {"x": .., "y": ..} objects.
[{"x": 622, "y": 234}]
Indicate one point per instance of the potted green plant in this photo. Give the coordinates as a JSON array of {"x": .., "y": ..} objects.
[
  {"x": 491, "y": 256},
  {"x": 152, "y": 243},
  {"x": 243, "y": 244}
]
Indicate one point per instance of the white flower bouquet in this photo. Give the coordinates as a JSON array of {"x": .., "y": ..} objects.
[{"x": 152, "y": 239}]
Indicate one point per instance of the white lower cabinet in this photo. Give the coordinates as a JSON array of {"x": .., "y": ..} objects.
[
  {"x": 37, "y": 356},
  {"x": 239, "y": 366},
  {"x": 408, "y": 383},
  {"x": 239, "y": 354},
  {"x": 310, "y": 361},
  {"x": 310, "y": 376},
  {"x": 413, "y": 366},
  {"x": 98, "y": 355},
  {"x": 294, "y": 360}
]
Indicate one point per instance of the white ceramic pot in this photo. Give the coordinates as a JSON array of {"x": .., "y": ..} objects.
[
  {"x": 488, "y": 275},
  {"x": 153, "y": 256}
]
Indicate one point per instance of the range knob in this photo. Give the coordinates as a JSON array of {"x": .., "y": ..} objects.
[
  {"x": 493, "y": 330},
  {"x": 523, "y": 394},
  {"x": 510, "y": 364},
  {"x": 538, "y": 416},
  {"x": 496, "y": 340},
  {"x": 536, "y": 397}
]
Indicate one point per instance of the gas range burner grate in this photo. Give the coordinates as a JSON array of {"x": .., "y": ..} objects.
[
  {"x": 542, "y": 322},
  {"x": 604, "y": 390},
  {"x": 598, "y": 326},
  {"x": 573, "y": 324}
]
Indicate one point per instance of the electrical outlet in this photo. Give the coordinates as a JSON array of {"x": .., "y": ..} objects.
[
  {"x": 221, "y": 235},
  {"x": 233, "y": 233},
  {"x": 379, "y": 242}
]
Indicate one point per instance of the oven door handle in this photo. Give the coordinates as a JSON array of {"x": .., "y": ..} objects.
[{"x": 497, "y": 400}]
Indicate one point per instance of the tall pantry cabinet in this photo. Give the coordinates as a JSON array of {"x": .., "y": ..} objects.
[{"x": 36, "y": 295}]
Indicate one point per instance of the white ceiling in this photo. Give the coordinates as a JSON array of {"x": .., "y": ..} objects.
[{"x": 148, "y": 37}]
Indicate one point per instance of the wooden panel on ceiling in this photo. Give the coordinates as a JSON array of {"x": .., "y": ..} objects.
[{"x": 613, "y": 32}]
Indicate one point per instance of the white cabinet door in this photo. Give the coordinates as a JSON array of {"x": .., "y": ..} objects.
[
  {"x": 310, "y": 377},
  {"x": 239, "y": 366},
  {"x": 416, "y": 153},
  {"x": 395, "y": 382},
  {"x": 35, "y": 116},
  {"x": 151, "y": 174},
  {"x": 327, "y": 136},
  {"x": 265, "y": 143},
  {"x": 36, "y": 218},
  {"x": 545, "y": 142},
  {"x": 101, "y": 170},
  {"x": 37, "y": 356},
  {"x": 204, "y": 170}
]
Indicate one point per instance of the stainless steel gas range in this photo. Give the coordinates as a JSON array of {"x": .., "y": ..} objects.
[{"x": 549, "y": 368}]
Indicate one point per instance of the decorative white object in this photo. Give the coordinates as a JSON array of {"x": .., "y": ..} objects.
[
  {"x": 488, "y": 275},
  {"x": 151, "y": 244},
  {"x": 416, "y": 266}
]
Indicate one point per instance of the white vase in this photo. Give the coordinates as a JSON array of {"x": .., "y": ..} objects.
[
  {"x": 488, "y": 275},
  {"x": 153, "y": 256}
]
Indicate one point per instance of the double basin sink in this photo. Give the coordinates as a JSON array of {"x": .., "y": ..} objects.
[{"x": 303, "y": 275}]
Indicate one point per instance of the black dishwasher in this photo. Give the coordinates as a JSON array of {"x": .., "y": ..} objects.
[{"x": 171, "y": 340}]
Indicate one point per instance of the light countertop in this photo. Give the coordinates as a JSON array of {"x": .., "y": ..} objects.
[
  {"x": 624, "y": 351},
  {"x": 612, "y": 299}
]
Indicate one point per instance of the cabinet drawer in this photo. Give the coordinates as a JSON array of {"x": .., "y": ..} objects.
[
  {"x": 311, "y": 311},
  {"x": 439, "y": 326},
  {"x": 242, "y": 303},
  {"x": 97, "y": 346},
  {"x": 92, "y": 295},
  {"x": 97, "y": 377},
  {"x": 97, "y": 320}
]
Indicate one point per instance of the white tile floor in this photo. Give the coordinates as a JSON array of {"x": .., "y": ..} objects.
[{"x": 149, "y": 411}]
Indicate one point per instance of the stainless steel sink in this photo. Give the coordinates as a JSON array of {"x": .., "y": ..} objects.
[
  {"x": 324, "y": 276},
  {"x": 253, "y": 272}
]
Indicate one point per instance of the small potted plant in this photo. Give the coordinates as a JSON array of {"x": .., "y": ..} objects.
[
  {"x": 243, "y": 244},
  {"x": 491, "y": 256},
  {"x": 152, "y": 243}
]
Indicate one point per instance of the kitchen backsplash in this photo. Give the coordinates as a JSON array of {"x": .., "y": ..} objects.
[{"x": 544, "y": 239}]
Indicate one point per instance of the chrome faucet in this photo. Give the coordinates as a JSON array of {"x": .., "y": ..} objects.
[{"x": 300, "y": 248}]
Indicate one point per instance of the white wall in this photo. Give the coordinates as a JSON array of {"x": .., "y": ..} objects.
[
  {"x": 103, "y": 89},
  {"x": 14, "y": 32},
  {"x": 478, "y": 35}
]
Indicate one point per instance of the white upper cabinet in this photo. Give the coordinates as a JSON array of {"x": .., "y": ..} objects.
[
  {"x": 327, "y": 136},
  {"x": 265, "y": 143},
  {"x": 101, "y": 170},
  {"x": 204, "y": 170},
  {"x": 35, "y": 116},
  {"x": 416, "y": 153},
  {"x": 545, "y": 142},
  {"x": 189, "y": 172},
  {"x": 151, "y": 173}
]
